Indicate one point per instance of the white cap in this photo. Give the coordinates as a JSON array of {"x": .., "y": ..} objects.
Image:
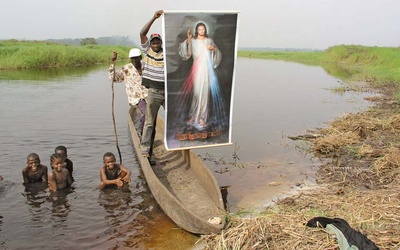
[{"x": 134, "y": 53}]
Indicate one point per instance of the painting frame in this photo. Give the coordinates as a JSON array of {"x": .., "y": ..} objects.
[{"x": 199, "y": 77}]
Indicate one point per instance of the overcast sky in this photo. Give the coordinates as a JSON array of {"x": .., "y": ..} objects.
[{"x": 313, "y": 24}]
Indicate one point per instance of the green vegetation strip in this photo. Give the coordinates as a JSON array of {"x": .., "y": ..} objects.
[
  {"x": 35, "y": 54},
  {"x": 377, "y": 65}
]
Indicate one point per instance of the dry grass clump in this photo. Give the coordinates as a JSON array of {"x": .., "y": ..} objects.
[
  {"x": 347, "y": 130},
  {"x": 334, "y": 140},
  {"x": 361, "y": 122},
  {"x": 374, "y": 213},
  {"x": 393, "y": 122},
  {"x": 387, "y": 167},
  {"x": 367, "y": 150},
  {"x": 360, "y": 149},
  {"x": 374, "y": 168}
]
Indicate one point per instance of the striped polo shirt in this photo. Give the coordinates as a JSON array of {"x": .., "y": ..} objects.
[{"x": 153, "y": 67}]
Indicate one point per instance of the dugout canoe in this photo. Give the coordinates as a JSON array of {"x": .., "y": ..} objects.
[{"x": 181, "y": 183}]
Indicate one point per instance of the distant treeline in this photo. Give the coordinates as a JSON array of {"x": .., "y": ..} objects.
[{"x": 108, "y": 40}]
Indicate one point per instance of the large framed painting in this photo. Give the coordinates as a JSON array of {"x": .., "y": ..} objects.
[{"x": 200, "y": 58}]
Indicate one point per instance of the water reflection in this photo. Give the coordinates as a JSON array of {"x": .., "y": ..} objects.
[
  {"x": 36, "y": 195},
  {"x": 112, "y": 198},
  {"x": 2, "y": 193},
  {"x": 122, "y": 215},
  {"x": 337, "y": 70},
  {"x": 60, "y": 203}
]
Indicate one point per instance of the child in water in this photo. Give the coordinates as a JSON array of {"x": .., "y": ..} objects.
[
  {"x": 34, "y": 171},
  {"x": 112, "y": 173},
  {"x": 69, "y": 165},
  {"x": 59, "y": 178}
]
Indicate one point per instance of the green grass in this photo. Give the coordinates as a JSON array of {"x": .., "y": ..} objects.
[
  {"x": 36, "y": 54},
  {"x": 378, "y": 65},
  {"x": 375, "y": 64},
  {"x": 312, "y": 58}
]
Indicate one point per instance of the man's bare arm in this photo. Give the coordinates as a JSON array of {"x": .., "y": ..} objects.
[{"x": 147, "y": 26}]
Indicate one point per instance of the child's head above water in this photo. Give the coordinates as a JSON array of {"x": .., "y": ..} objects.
[
  {"x": 33, "y": 161},
  {"x": 109, "y": 160},
  {"x": 108, "y": 154},
  {"x": 32, "y": 156},
  {"x": 57, "y": 161},
  {"x": 61, "y": 150}
]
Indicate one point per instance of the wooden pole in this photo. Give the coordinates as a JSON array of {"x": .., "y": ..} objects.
[{"x": 113, "y": 117}]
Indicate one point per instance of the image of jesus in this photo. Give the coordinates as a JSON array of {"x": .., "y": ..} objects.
[{"x": 202, "y": 81}]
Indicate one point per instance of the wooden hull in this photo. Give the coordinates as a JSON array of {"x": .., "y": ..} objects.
[{"x": 180, "y": 182}]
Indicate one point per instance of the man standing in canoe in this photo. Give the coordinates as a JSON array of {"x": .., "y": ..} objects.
[
  {"x": 153, "y": 80},
  {"x": 131, "y": 74}
]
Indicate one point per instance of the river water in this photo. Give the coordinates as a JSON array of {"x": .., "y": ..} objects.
[{"x": 72, "y": 107}]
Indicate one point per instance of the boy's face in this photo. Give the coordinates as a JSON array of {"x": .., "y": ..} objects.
[
  {"x": 109, "y": 162},
  {"x": 33, "y": 163},
  {"x": 155, "y": 45},
  {"x": 57, "y": 164}
]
